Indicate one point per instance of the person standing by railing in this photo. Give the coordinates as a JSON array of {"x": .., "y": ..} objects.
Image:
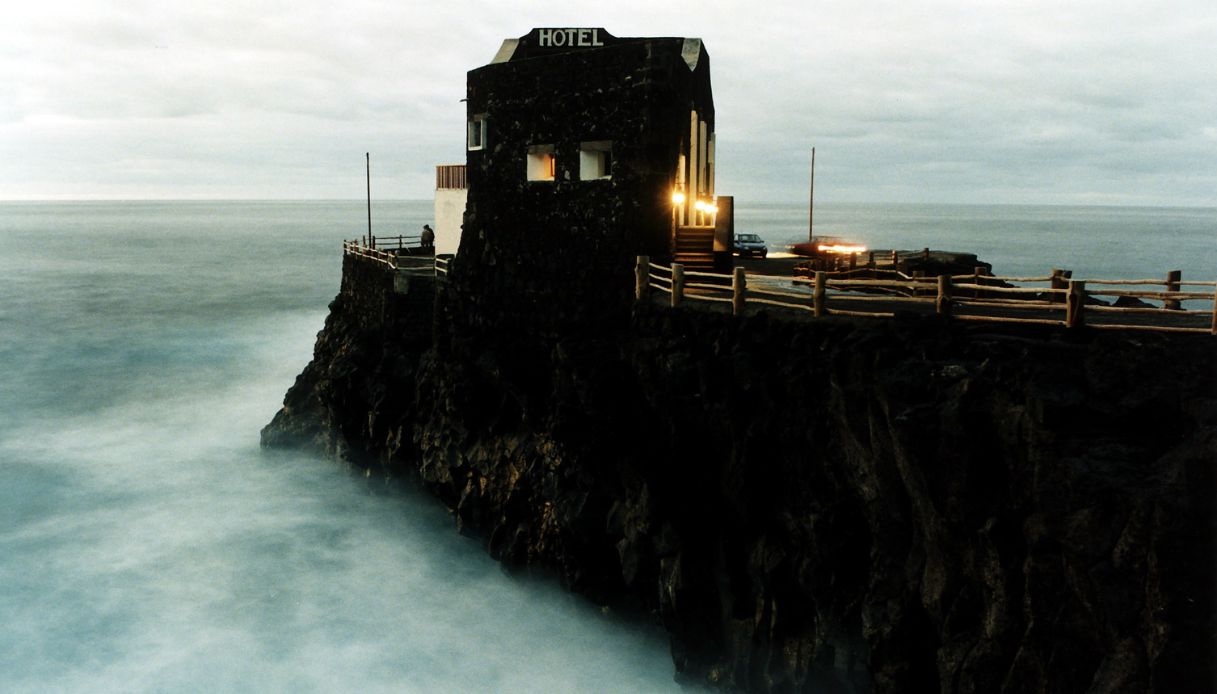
[{"x": 428, "y": 237}]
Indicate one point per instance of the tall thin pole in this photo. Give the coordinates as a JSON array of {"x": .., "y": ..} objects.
[
  {"x": 368, "y": 160},
  {"x": 811, "y": 202}
]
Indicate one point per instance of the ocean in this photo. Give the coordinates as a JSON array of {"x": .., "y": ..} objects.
[
  {"x": 1019, "y": 240},
  {"x": 147, "y": 543}
]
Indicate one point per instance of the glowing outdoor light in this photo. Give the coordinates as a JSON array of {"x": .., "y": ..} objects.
[
  {"x": 841, "y": 248},
  {"x": 678, "y": 198},
  {"x": 705, "y": 207}
]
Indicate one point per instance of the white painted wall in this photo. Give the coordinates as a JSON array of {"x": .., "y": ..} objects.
[{"x": 449, "y": 213}]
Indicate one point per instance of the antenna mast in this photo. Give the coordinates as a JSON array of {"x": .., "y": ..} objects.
[
  {"x": 368, "y": 161},
  {"x": 811, "y": 202}
]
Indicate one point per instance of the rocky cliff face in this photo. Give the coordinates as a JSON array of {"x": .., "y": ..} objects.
[{"x": 890, "y": 506}]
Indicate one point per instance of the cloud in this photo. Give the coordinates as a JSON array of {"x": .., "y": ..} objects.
[{"x": 883, "y": 87}]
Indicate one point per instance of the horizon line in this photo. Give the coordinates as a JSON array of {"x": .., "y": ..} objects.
[{"x": 69, "y": 200}]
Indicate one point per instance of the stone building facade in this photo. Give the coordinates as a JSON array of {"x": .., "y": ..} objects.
[{"x": 585, "y": 150}]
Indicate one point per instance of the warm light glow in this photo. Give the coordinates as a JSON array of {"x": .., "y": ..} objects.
[
  {"x": 678, "y": 198},
  {"x": 700, "y": 205},
  {"x": 841, "y": 248},
  {"x": 710, "y": 208}
]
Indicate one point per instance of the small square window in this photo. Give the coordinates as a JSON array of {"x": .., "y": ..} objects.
[
  {"x": 595, "y": 160},
  {"x": 476, "y": 134},
  {"x": 542, "y": 165}
]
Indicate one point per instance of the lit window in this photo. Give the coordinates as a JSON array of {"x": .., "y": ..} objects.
[
  {"x": 595, "y": 160},
  {"x": 476, "y": 135},
  {"x": 542, "y": 165}
]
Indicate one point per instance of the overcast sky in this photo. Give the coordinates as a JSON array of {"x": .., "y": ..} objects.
[{"x": 1025, "y": 101}]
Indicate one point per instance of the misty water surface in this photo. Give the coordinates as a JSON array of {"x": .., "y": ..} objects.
[{"x": 148, "y": 544}]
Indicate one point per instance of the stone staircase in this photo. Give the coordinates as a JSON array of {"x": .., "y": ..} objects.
[{"x": 694, "y": 248}]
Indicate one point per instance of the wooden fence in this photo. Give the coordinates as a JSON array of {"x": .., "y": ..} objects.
[
  {"x": 391, "y": 243},
  {"x": 872, "y": 293},
  {"x": 398, "y": 257}
]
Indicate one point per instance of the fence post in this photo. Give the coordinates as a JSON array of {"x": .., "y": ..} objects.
[
  {"x": 870, "y": 260},
  {"x": 1213, "y": 330},
  {"x": 943, "y": 304},
  {"x": 1060, "y": 280},
  {"x": 1075, "y": 301},
  {"x": 818, "y": 295},
  {"x": 678, "y": 284},
  {"x": 642, "y": 277},
  {"x": 739, "y": 287},
  {"x": 1172, "y": 285},
  {"x": 977, "y": 272},
  {"x": 895, "y": 260}
]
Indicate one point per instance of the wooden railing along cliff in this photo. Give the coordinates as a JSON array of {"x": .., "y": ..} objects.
[
  {"x": 876, "y": 293},
  {"x": 401, "y": 253}
]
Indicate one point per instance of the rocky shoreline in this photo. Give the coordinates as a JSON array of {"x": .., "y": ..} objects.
[{"x": 834, "y": 505}]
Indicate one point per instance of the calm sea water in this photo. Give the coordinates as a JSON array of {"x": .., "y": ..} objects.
[
  {"x": 148, "y": 544},
  {"x": 1019, "y": 240}
]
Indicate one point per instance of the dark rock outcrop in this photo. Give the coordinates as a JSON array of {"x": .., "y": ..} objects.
[
  {"x": 890, "y": 506},
  {"x": 377, "y": 328}
]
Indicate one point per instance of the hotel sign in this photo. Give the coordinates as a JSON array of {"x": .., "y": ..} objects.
[
  {"x": 569, "y": 38},
  {"x": 564, "y": 39},
  {"x": 554, "y": 41}
]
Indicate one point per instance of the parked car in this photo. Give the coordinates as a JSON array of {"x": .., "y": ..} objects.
[{"x": 750, "y": 245}]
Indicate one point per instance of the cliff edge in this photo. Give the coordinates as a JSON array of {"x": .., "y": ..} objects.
[{"x": 832, "y": 505}]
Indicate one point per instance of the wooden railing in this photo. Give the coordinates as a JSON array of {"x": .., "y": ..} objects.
[
  {"x": 389, "y": 243},
  {"x": 973, "y": 297},
  {"x": 362, "y": 250},
  {"x": 397, "y": 257}
]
